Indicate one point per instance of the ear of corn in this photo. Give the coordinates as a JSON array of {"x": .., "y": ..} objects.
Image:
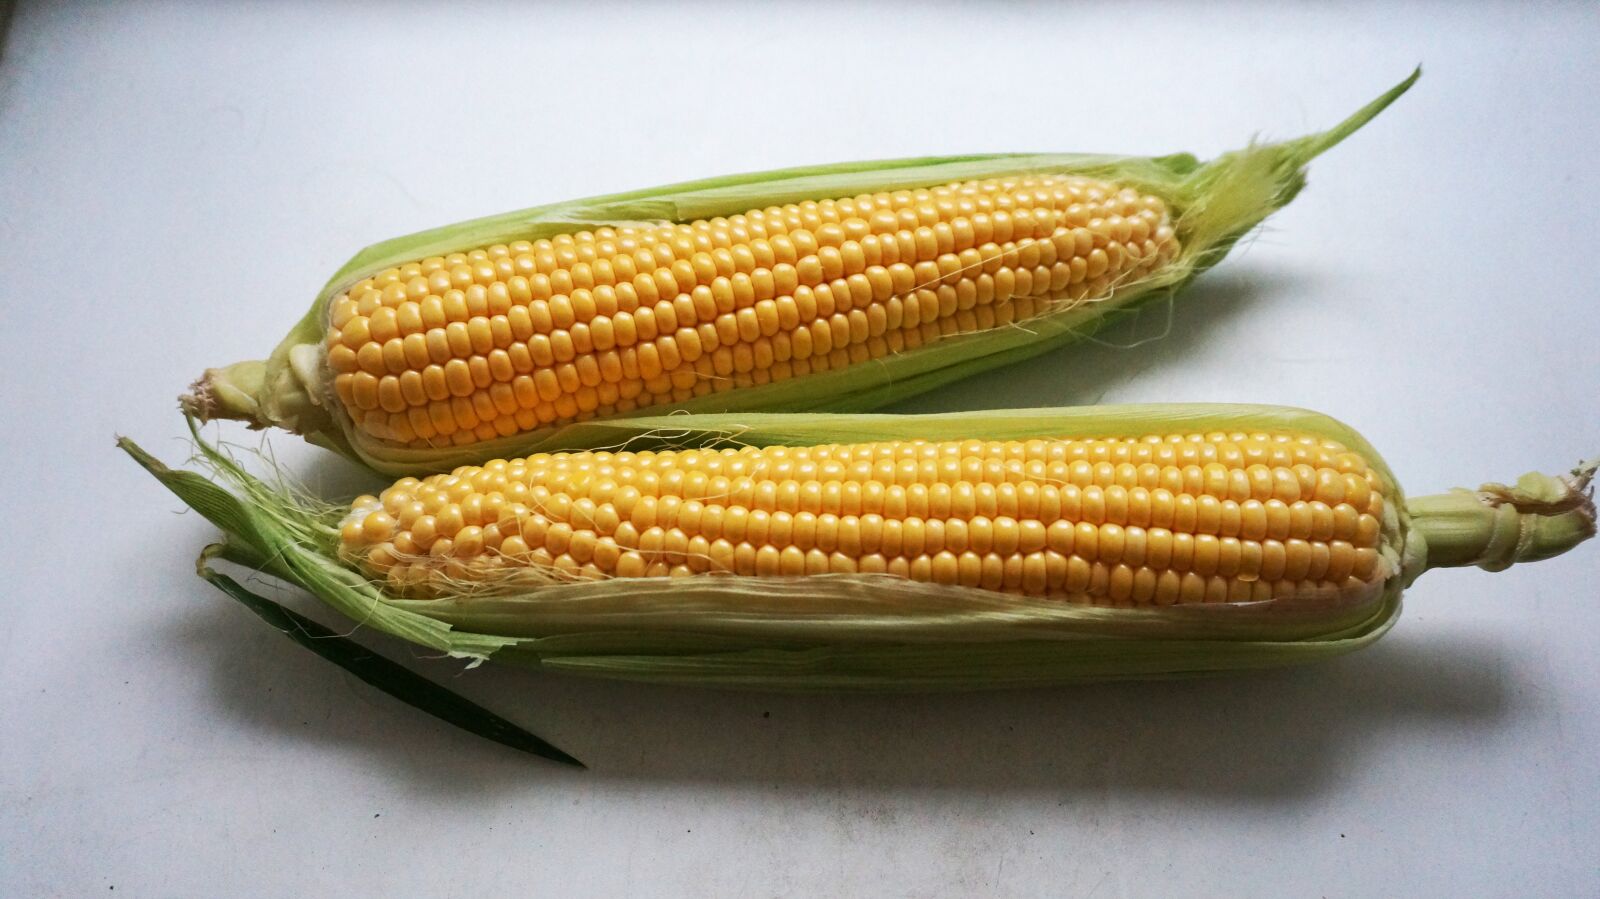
[
  {"x": 834, "y": 288},
  {"x": 1110, "y": 572}
]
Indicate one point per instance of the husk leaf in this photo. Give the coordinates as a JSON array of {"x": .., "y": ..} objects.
[{"x": 1214, "y": 204}]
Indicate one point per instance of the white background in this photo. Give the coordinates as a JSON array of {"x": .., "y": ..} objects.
[{"x": 176, "y": 182}]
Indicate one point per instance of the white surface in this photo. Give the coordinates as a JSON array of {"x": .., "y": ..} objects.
[{"x": 177, "y": 181}]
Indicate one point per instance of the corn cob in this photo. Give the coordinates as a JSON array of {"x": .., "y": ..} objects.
[
  {"x": 505, "y": 340},
  {"x": 836, "y": 288},
  {"x": 830, "y": 551},
  {"x": 1123, "y": 522}
]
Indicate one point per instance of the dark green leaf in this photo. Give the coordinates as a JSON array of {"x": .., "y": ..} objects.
[{"x": 399, "y": 682}]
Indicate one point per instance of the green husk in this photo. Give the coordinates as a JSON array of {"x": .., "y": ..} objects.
[
  {"x": 875, "y": 631},
  {"x": 1214, "y": 204}
]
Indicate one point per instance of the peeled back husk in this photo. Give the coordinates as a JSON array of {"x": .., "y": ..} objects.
[
  {"x": 873, "y": 631},
  {"x": 1212, "y": 205}
]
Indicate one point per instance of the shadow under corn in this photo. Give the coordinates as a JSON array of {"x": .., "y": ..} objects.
[
  {"x": 1247, "y": 735},
  {"x": 1251, "y": 736}
]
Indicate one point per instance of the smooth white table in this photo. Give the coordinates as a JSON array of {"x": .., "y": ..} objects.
[{"x": 177, "y": 180}]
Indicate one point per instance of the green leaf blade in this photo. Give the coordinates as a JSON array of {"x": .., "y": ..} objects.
[{"x": 391, "y": 678}]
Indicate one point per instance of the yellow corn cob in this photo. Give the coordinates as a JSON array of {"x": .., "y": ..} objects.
[
  {"x": 509, "y": 338},
  {"x": 1154, "y": 520}
]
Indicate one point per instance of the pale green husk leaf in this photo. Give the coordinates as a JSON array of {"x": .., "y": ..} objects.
[{"x": 1214, "y": 204}]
